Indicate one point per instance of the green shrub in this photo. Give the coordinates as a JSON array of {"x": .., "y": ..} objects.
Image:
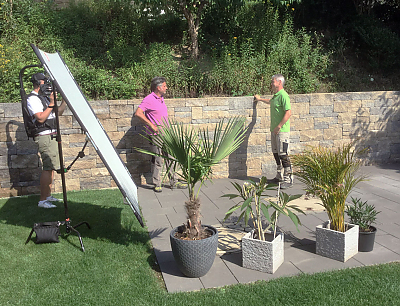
[
  {"x": 298, "y": 58},
  {"x": 103, "y": 44},
  {"x": 378, "y": 43}
]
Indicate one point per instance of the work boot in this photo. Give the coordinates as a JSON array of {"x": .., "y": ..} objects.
[
  {"x": 287, "y": 178},
  {"x": 278, "y": 178}
]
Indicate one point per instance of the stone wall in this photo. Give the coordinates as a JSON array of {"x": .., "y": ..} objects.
[{"x": 373, "y": 118}]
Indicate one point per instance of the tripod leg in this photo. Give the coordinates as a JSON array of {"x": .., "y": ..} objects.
[
  {"x": 81, "y": 223},
  {"x": 80, "y": 238}
]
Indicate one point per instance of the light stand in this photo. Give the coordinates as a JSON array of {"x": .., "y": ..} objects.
[{"x": 67, "y": 222}]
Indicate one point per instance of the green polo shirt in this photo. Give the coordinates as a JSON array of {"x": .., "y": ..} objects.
[{"x": 279, "y": 104}]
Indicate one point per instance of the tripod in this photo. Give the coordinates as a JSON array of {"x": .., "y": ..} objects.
[{"x": 68, "y": 227}]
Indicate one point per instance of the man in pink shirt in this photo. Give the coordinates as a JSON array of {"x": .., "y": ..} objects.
[{"x": 153, "y": 111}]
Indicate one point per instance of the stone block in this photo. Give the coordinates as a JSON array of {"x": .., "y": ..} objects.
[
  {"x": 300, "y": 98},
  {"x": 311, "y": 135},
  {"x": 99, "y": 182},
  {"x": 321, "y": 109},
  {"x": 215, "y": 114},
  {"x": 241, "y": 103},
  {"x": 119, "y": 111},
  {"x": 26, "y": 147},
  {"x": 256, "y": 139},
  {"x": 215, "y": 108},
  {"x": 346, "y": 118},
  {"x": 12, "y": 110},
  {"x": 332, "y": 134},
  {"x": 342, "y": 97},
  {"x": 182, "y": 109},
  {"x": 212, "y": 101},
  {"x": 321, "y": 99},
  {"x": 100, "y": 172},
  {"x": 109, "y": 125},
  {"x": 8, "y": 193},
  {"x": 197, "y": 102},
  {"x": 100, "y": 108},
  {"x": 24, "y": 161},
  {"x": 300, "y": 108},
  {"x": 65, "y": 122},
  {"x": 119, "y": 102},
  {"x": 345, "y": 107}
]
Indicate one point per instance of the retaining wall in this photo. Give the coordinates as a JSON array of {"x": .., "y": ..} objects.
[{"x": 373, "y": 118}]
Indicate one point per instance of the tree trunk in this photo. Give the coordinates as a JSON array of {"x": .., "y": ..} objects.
[
  {"x": 194, "y": 33},
  {"x": 194, "y": 229}
]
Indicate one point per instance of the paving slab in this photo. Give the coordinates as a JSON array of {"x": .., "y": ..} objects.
[{"x": 163, "y": 211}]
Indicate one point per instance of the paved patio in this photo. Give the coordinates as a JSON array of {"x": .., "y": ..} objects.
[{"x": 163, "y": 211}]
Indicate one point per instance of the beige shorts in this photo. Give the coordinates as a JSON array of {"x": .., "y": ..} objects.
[
  {"x": 280, "y": 143},
  {"x": 48, "y": 149}
]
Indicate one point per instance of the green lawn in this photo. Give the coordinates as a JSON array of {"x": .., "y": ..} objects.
[{"x": 118, "y": 265}]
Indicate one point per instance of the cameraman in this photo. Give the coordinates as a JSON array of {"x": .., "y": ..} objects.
[{"x": 40, "y": 105}]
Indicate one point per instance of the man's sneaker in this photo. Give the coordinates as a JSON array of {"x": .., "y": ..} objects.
[
  {"x": 53, "y": 199},
  {"x": 287, "y": 181},
  {"x": 179, "y": 185},
  {"x": 46, "y": 204},
  {"x": 157, "y": 189}
]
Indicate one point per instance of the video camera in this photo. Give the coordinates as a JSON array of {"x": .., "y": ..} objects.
[{"x": 45, "y": 88}]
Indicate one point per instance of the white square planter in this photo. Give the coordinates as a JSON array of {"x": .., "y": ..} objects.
[
  {"x": 265, "y": 256},
  {"x": 336, "y": 245}
]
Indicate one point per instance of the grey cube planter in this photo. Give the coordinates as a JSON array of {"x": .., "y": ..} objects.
[
  {"x": 195, "y": 257},
  {"x": 336, "y": 245},
  {"x": 264, "y": 256}
]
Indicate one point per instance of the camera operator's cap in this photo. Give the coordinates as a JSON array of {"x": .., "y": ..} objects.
[{"x": 37, "y": 77}]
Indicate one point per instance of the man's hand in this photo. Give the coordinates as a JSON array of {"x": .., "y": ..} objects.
[
  {"x": 51, "y": 98},
  {"x": 276, "y": 130},
  {"x": 257, "y": 98},
  {"x": 154, "y": 128}
]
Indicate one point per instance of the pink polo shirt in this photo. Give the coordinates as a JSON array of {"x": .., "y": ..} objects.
[{"x": 154, "y": 109}]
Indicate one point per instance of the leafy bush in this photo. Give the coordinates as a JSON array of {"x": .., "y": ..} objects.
[
  {"x": 299, "y": 59},
  {"x": 104, "y": 45},
  {"x": 378, "y": 43}
]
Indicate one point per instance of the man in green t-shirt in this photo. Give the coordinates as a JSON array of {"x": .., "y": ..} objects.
[{"x": 280, "y": 112}]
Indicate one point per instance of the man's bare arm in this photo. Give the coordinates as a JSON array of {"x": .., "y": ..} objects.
[{"x": 140, "y": 114}]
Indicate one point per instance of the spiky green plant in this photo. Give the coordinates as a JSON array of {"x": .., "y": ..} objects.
[
  {"x": 194, "y": 152},
  {"x": 330, "y": 175},
  {"x": 362, "y": 214},
  {"x": 254, "y": 207}
]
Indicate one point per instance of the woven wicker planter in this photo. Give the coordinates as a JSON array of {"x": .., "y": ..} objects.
[
  {"x": 337, "y": 245},
  {"x": 195, "y": 257},
  {"x": 265, "y": 256}
]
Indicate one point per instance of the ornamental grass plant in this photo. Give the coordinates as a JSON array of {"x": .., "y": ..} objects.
[
  {"x": 330, "y": 175},
  {"x": 195, "y": 152}
]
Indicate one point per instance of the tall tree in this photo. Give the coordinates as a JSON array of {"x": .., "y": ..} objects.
[{"x": 193, "y": 10}]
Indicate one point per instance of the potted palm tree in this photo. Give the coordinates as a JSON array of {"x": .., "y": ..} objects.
[
  {"x": 364, "y": 215},
  {"x": 331, "y": 175},
  {"x": 262, "y": 248},
  {"x": 193, "y": 244}
]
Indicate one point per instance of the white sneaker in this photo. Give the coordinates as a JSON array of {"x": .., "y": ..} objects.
[
  {"x": 287, "y": 181},
  {"x": 46, "y": 204},
  {"x": 53, "y": 199}
]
